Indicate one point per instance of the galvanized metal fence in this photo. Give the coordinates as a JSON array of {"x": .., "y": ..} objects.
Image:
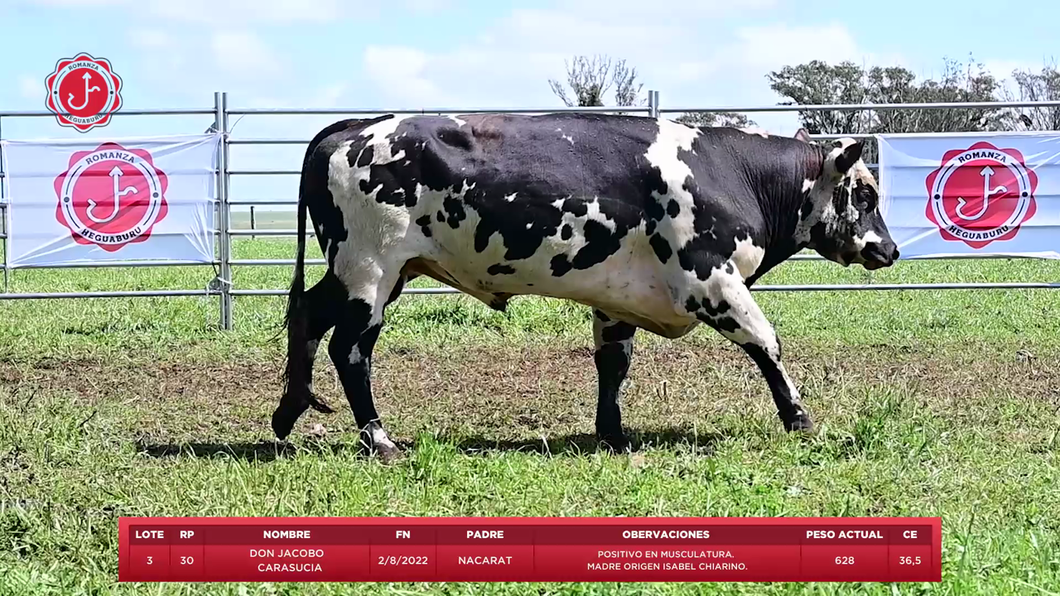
[{"x": 222, "y": 287}]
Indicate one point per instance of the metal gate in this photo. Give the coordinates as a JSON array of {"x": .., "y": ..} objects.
[{"x": 222, "y": 287}]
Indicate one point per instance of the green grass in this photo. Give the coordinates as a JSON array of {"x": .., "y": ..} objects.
[
  {"x": 928, "y": 403},
  {"x": 264, "y": 219}
]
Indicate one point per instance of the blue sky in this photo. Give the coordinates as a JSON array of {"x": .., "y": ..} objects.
[{"x": 474, "y": 53}]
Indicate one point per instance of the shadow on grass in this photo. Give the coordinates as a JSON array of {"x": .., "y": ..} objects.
[
  {"x": 262, "y": 451},
  {"x": 571, "y": 445},
  {"x": 583, "y": 443}
]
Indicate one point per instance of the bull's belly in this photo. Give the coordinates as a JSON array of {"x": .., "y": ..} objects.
[{"x": 629, "y": 285}]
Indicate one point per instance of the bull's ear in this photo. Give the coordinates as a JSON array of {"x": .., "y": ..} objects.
[
  {"x": 803, "y": 135},
  {"x": 851, "y": 154}
]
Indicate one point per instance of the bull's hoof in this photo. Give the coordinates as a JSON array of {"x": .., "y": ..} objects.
[
  {"x": 375, "y": 443},
  {"x": 800, "y": 423},
  {"x": 617, "y": 442},
  {"x": 388, "y": 453},
  {"x": 384, "y": 452},
  {"x": 282, "y": 423}
]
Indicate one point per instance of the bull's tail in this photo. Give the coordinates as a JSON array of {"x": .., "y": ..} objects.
[
  {"x": 294, "y": 318},
  {"x": 295, "y": 377}
]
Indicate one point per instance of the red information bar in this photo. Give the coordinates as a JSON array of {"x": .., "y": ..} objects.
[{"x": 568, "y": 549}]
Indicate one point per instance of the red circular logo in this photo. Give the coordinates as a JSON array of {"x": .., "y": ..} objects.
[
  {"x": 85, "y": 87},
  {"x": 981, "y": 194},
  {"x": 111, "y": 196}
]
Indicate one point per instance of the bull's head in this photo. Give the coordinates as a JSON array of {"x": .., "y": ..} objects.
[{"x": 841, "y": 219}]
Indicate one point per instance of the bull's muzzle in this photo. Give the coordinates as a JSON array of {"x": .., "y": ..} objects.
[{"x": 877, "y": 255}]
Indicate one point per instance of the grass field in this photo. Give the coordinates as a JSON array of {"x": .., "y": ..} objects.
[
  {"x": 264, "y": 219},
  {"x": 928, "y": 403}
]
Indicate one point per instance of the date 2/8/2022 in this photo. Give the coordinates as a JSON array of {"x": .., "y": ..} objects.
[{"x": 402, "y": 560}]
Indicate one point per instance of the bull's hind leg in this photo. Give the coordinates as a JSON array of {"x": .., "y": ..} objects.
[
  {"x": 614, "y": 351},
  {"x": 727, "y": 305},
  {"x": 317, "y": 309},
  {"x": 356, "y": 331}
]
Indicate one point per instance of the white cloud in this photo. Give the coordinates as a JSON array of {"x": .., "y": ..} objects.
[
  {"x": 734, "y": 73},
  {"x": 509, "y": 64},
  {"x": 31, "y": 88},
  {"x": 331, "y": 95},
  {"x": 426, "y": 6},
  {"x": 606, "y": 33},
  {"x": 402, "y": 75},
  {"x": 249, "y": 11},
  {"x": 243, "y": 11},
  {"x": 677, "y": 10},
  {"x": 772, "y": 46},
  {"x": 1003, "y": 69},
  {"x": 77, "y": 3},
  {"x": 189, "y": 65},
  {"x": 152, "y": 39},
  {"x": 244, "y": 54},
  {"x": 277, "y": 11},
  {"x": 327, "y": 96}
]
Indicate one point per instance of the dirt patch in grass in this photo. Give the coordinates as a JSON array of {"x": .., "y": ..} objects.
[
  {"x": 520, "y": 395},
  {"x": 966, "y": 431}
]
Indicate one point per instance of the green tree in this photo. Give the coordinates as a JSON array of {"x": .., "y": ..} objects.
[
  {"x": 1036, "y": 86},
  {"x": 589, "y": 80},
  {"x": 732, "y": 119},
  {"x": 958, "y": 83},
  {"x": 820, "y": 83}
]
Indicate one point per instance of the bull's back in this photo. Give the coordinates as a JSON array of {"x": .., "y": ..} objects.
[{"x": 500, "y": 205}]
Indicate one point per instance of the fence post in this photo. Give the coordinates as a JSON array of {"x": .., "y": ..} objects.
[
  {"x": 4, "y": 211},
  {"x": 220, "y": 100},
  {"x": 653, "y": 103},
  {"x": 252, "y": 227}
]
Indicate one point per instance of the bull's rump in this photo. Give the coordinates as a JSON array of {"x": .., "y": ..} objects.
[{"x": 552, "y": 205}]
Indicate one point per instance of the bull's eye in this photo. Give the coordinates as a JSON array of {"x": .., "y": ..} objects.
[{"x": 867, "y": 198}]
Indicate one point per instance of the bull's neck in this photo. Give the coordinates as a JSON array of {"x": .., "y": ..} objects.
[{"x": 781, "y": 195}]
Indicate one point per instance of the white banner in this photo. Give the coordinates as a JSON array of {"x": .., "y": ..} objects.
[
  {"x": 959, "y": 194},
  {"x": 76, "y": 201}
]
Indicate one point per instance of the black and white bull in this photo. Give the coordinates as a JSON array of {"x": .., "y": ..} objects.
[{"x": 652, "y": 224}]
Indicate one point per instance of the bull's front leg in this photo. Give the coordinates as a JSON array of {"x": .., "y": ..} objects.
[
  {"x": 614, "y": 351},
  {"x": 725, "y": 303}
]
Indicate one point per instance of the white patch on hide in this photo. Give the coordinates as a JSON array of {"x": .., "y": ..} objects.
[
  {"x": 747, "y": 257},
  {"x": 355, "y": 354},
  {"x": 598, "y": 338},
  {"x": 861, "y": 242},
  {"x": 754, "y": 328},
  {"x": 593, "y": 212},
  {"x": 663, "y": 154},
  {"x": 379, "y": 437},
  {"x": 369, "y": 260}
]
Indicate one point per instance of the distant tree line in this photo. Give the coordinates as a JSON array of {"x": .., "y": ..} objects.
[
  {"x": 821, "y": 83},
  {"x": 590, "y": 78}
]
